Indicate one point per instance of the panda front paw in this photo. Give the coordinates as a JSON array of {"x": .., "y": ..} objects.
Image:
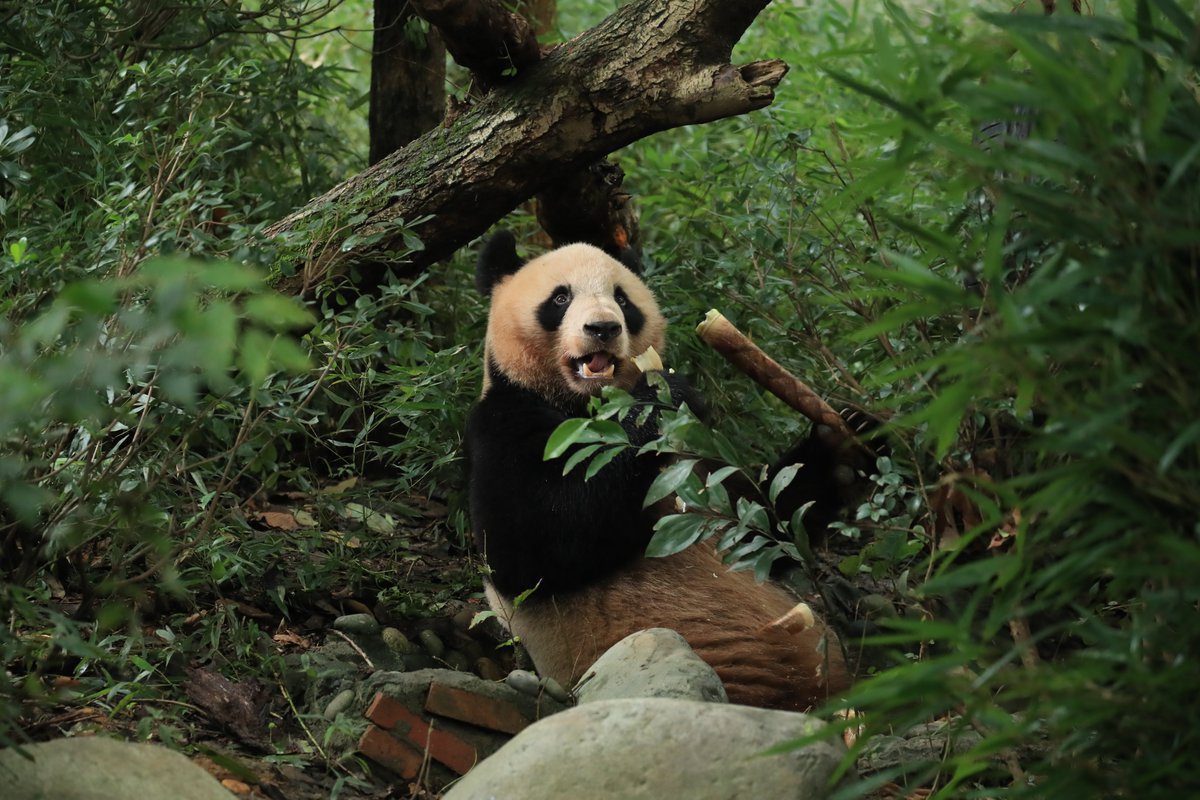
[{"x": 834, "y": 471}]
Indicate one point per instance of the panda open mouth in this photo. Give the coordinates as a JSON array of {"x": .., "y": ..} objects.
[{"x": 595, "y": 366}]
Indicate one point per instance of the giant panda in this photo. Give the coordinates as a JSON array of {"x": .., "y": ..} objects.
[{"x": 561, "y": 327}]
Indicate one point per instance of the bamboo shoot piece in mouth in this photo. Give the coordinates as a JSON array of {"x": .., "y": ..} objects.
[{"x": 649, "y": 361}]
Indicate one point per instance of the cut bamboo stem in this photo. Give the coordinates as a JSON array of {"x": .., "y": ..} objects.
[{"x": 724, "y": 337}]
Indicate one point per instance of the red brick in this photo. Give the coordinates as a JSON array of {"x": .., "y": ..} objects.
[
  {"x": 465, "y": 706},
  {"x": 377, "y": 745},
  {"x": 443, "y": 746}
]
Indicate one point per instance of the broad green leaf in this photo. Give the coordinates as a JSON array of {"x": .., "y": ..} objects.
[
  {"x": 782, "y": 480},
  {"x": 579, "y": 456},
  {"x": 566, "y": 434},
  {"x": 523, "y": 596},
  {"x": 675, "y": 533},
  {"x": 718, "y": 476},
  {"x": 254, "y": 356},
  {"x": 218, "y": 328},
  {"x": 93, "y": 297},
  {"x": 669, "y": 480},
  {"x": 277, "y": 312},
  {"x": 288, "y": 355},
  {"x": 481, "y": 617},
  {"x": 752, "y": 515},
  {"x": 601, "y": 461}
]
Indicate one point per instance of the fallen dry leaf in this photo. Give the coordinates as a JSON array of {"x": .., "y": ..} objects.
[
  {"x": 341, "y": 486},
  {"x": 280, "y": 520},
  {"x": 237, "y": 787},
  {"x": 287, "y": 637}
]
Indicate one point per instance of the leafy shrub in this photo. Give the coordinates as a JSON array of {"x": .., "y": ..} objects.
[
  {"x": 1025, "y": 310},
  {"x": 1069, "y": 391},
  {"x": 148, "y": 399},
  {"x": 1002, "y": 255}
]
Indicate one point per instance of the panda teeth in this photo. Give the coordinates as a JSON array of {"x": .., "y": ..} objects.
[{"x": 586, "y": 372}]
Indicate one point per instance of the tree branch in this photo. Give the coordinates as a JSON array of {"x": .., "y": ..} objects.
[
  {"x": 650, "y": 66},
  {"x": 482, "y": 35}
]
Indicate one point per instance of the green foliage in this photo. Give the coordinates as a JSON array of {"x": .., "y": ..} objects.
[
  {"x": 1021, "y": 309},
  {"x": 154, "y": 390},
  {"x": 1025, "y": 309},
  {"x": 747, "y": 530}
]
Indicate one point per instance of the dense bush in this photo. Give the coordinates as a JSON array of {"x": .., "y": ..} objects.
[
  {"x": 982, "y": 228},
  {"x": 1001, "y": 251},
  {"x": 153, "y": 389}
]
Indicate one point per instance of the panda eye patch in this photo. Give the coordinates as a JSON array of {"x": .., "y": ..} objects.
[
  {"x": 553, "y": 309},
  {"x": 621, "y": 298}
]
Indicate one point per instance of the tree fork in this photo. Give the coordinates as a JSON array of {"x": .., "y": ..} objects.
[
  {"x": 650, "y": 66},
  {"x": 482, "y": 35}
]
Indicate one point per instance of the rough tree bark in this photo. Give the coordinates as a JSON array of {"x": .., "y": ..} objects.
[
  {"x": 408, "y": 80},
  {"x": 484, "y": 37},
  {"x": 650, "y": 66}
]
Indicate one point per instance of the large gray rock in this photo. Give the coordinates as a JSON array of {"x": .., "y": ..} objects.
[
  {"x": 98, "y": 768},
  {"x": 656, "y": 662},
  {"x": 656, "y": 748}
]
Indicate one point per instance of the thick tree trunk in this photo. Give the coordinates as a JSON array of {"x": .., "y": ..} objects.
[
  {"x": 652, "y": 65},
  {"x": 408, "y": 80}
]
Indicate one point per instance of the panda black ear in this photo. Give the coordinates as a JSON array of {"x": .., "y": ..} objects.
[
  {"x": 632, "y": 259},
  {"x": 497, "y": 259}
]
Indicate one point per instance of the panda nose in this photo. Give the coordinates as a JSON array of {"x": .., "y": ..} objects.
[{"x": 603, "y": 331}]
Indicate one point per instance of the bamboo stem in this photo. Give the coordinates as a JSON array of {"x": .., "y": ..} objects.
[{"x": 721, "y": 334}]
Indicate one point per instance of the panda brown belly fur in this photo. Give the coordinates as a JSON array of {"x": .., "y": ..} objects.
[{"x": 725, "y": 616}]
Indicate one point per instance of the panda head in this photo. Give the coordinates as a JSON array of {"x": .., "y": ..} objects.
[{"x": 567, "y": 323}]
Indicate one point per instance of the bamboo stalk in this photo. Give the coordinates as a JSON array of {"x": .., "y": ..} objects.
[{"x": 721, "y": 334}]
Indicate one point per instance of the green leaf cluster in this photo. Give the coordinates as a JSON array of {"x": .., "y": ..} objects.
[{"x": 983, "y": 225}]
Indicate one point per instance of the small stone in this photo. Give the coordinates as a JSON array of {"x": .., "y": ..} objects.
[
  {"x": 418, "y": 660},
  {"x": 555, "y": 690},
  {"x": 469, "y": 647},
  {"x": 338, "y": 704},
  {"x": 355, "y": 607},
  {"x": 396, "y": 641},
  {"x": 488, "y": 670},
  {"x": 462, "y": 620},
  {"x": 524, "y": 682},
  {"x": 876, "y": 606},
  {"x": 457, "y": 661},
  {"x": 432, "y": 643},
  {"x": 362, "y": 624}
]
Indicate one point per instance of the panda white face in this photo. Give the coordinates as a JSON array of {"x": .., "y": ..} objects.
[{"x": 569, "y": 322}]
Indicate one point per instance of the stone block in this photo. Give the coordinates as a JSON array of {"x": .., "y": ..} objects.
[{"x": 474, "y": 708}]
